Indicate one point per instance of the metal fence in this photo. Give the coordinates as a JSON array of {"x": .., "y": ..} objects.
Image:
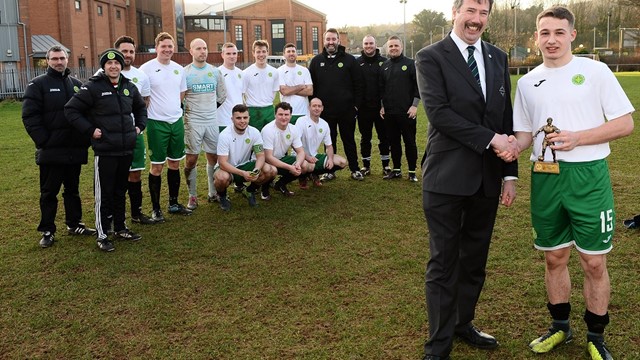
[{"x": 14, "y": 82}]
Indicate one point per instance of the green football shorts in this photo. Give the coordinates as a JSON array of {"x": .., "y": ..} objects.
[
  {"x": 139, "y": 161},
  {"x": 166, "y": 141},
  {"x": 261, "y": 116},
  {"x": 574, "y": 207}
]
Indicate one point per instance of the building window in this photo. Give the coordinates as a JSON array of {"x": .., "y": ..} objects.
[
  {"x": 118, "y": 15},
  {"x": 277, "y": 31},
  {"x": 78, "y": 5},
  {"x": 299, "y": 39},
  {"x": 204, "y": 24},
  {"x": 238, "y": 33},
  {"x": 99, "y": 10},
  {"x": 257, "y": 32},
  {"x": 314, "y": 40}
]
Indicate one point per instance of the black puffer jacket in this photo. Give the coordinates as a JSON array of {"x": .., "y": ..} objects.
[
  {"x": 57, "y": 142},
  {"x": 100, "y": 105}
]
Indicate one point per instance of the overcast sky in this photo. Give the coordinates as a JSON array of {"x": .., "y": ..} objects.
[
  {"x": 342, "y": 13},
  {"x": 365, "y": 12}
]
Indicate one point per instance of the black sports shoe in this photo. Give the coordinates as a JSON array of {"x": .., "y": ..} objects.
[
  {"x": 413, "y": 177},
  {"x": 105, "y": 245},
  {"x": 365, "y": 171},
  {"x": 225, "y": 204},
  {"x": 386, "y": 171},
  {"x": 264, "y": 193},
  {"x": 251, "y": 197},
  {"x": 157, "y": 217},
  {"x": 47, "y": 239},
  {"x": 179, "y": 209},
  {"x": 597, "y": 349},
  {"x": 357, "y": 175},
  {"x": 395, "y": 174},
  {"x": 127, "y": 234},
  {"x": 630, "y": 224},
  {"x": 143, "y": 219},
  {"x": 81, "y": 229},
  {"x": 282, "y": 188}
]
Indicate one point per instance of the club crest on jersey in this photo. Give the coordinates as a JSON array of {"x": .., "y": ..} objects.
[
  {"x": 320, "y": 130},
  {"x": 404, "y": 67},
  {"x": 578, "y": 79},
  {"x": 288, "y": 136},
  {"x": 247, "y": 140},
  {"x": 270, "y": 74},
  {"x": 210, "y": 74},
  {"x": 76, "y": 88},
  {"x": 176, "y": 72},
  {"x": 299, "y": 72},
  {"x": 135, "y": 80},
  {"x": 340, "y": 64},
  {"x": 126, "y": 92}
]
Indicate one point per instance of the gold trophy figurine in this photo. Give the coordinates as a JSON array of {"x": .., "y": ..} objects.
[{"x": 542, "y": 166}]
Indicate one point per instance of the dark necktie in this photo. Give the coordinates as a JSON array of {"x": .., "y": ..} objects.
[{"x": 473, "y": 66}]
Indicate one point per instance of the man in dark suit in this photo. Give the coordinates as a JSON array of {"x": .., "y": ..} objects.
[{"x": 468, "y": 103}]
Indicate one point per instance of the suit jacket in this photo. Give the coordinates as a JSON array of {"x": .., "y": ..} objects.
[{"x": 461, "y": 122}]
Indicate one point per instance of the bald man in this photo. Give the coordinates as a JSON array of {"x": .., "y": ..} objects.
[{"x": 205, "y": 89}]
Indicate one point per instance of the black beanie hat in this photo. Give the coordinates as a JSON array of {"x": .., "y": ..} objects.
[{"x": 111, "y": 54}]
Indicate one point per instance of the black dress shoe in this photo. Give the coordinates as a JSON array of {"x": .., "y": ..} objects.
[
  {"x": 476, "y": 338},
  {"x": 435, "y": 357}
]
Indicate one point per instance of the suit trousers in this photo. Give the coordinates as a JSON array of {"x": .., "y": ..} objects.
[
  {"x": 347, "y": 124},
  {"x": 460, "y": 229},
  {"x": 52, "y": 177},
  {"x": 401, "y": 127},
  {"x": 367, "y": 119},
  {"x": 111, "y": 181}
]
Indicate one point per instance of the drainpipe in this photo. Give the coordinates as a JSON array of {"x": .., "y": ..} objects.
[{"x": 24, "y": 38}]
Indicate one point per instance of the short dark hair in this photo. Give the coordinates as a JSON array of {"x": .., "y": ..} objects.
[
  {"x": 331, "y": 30},
  {"x": 124, "y": 39},
  {"x": 56, "y": 48},
  {"x": 395, "y": 37},
  {"x": 284, "y": 106},
  {"x": 557, "y": 12},
  {"x": 239, "y": 108},
  {"x": 288, "y": 45},
  {"x": 457, "y": 4}
]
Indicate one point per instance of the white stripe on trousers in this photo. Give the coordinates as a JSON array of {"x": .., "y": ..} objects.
[{"x": 98, "y": 197}]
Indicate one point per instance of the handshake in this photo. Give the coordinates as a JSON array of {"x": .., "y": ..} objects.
[{"x": 506, "y": 147}]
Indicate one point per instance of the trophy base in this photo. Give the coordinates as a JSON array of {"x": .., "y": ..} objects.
[{"x": 546, "y": 167}]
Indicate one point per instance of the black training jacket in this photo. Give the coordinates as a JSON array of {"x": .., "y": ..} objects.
[{"x": 57, "y": 142}]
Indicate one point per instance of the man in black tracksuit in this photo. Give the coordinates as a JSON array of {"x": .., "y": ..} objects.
[
  {"x": 337, "y": 81},
  {"x": 102, "y": 110},
  {"x": 60, "y": 149},
  {"x": 369, "y": 113},
  {"x": 400, "y": 99}
]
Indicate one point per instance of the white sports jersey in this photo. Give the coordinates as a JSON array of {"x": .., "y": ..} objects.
[
  {"x": 233, "y": 84},
  {"x": 205, "y": 87},
  {"x": 259, "y": 85},
  {"x": 291, "y": 76},
  {"x": 238, "y": 147},
  {"x": 313, "y": 134},
  {"x": 167, "y": 82},
  {"x": 577, "y": 96},
  {"x": 139, "y": 78},
  {"x": 280, "y": 140}
]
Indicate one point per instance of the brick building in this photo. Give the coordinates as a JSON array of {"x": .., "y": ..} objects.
[
  {"x": 84, "y": 27},
  {"x": 276, "y": 21}
]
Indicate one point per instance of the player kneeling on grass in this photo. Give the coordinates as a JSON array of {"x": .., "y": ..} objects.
[
  {"x": 279, "y": 136},
  {"x": 315, "y": 132},
  {"x": 241, "y": 158}
]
